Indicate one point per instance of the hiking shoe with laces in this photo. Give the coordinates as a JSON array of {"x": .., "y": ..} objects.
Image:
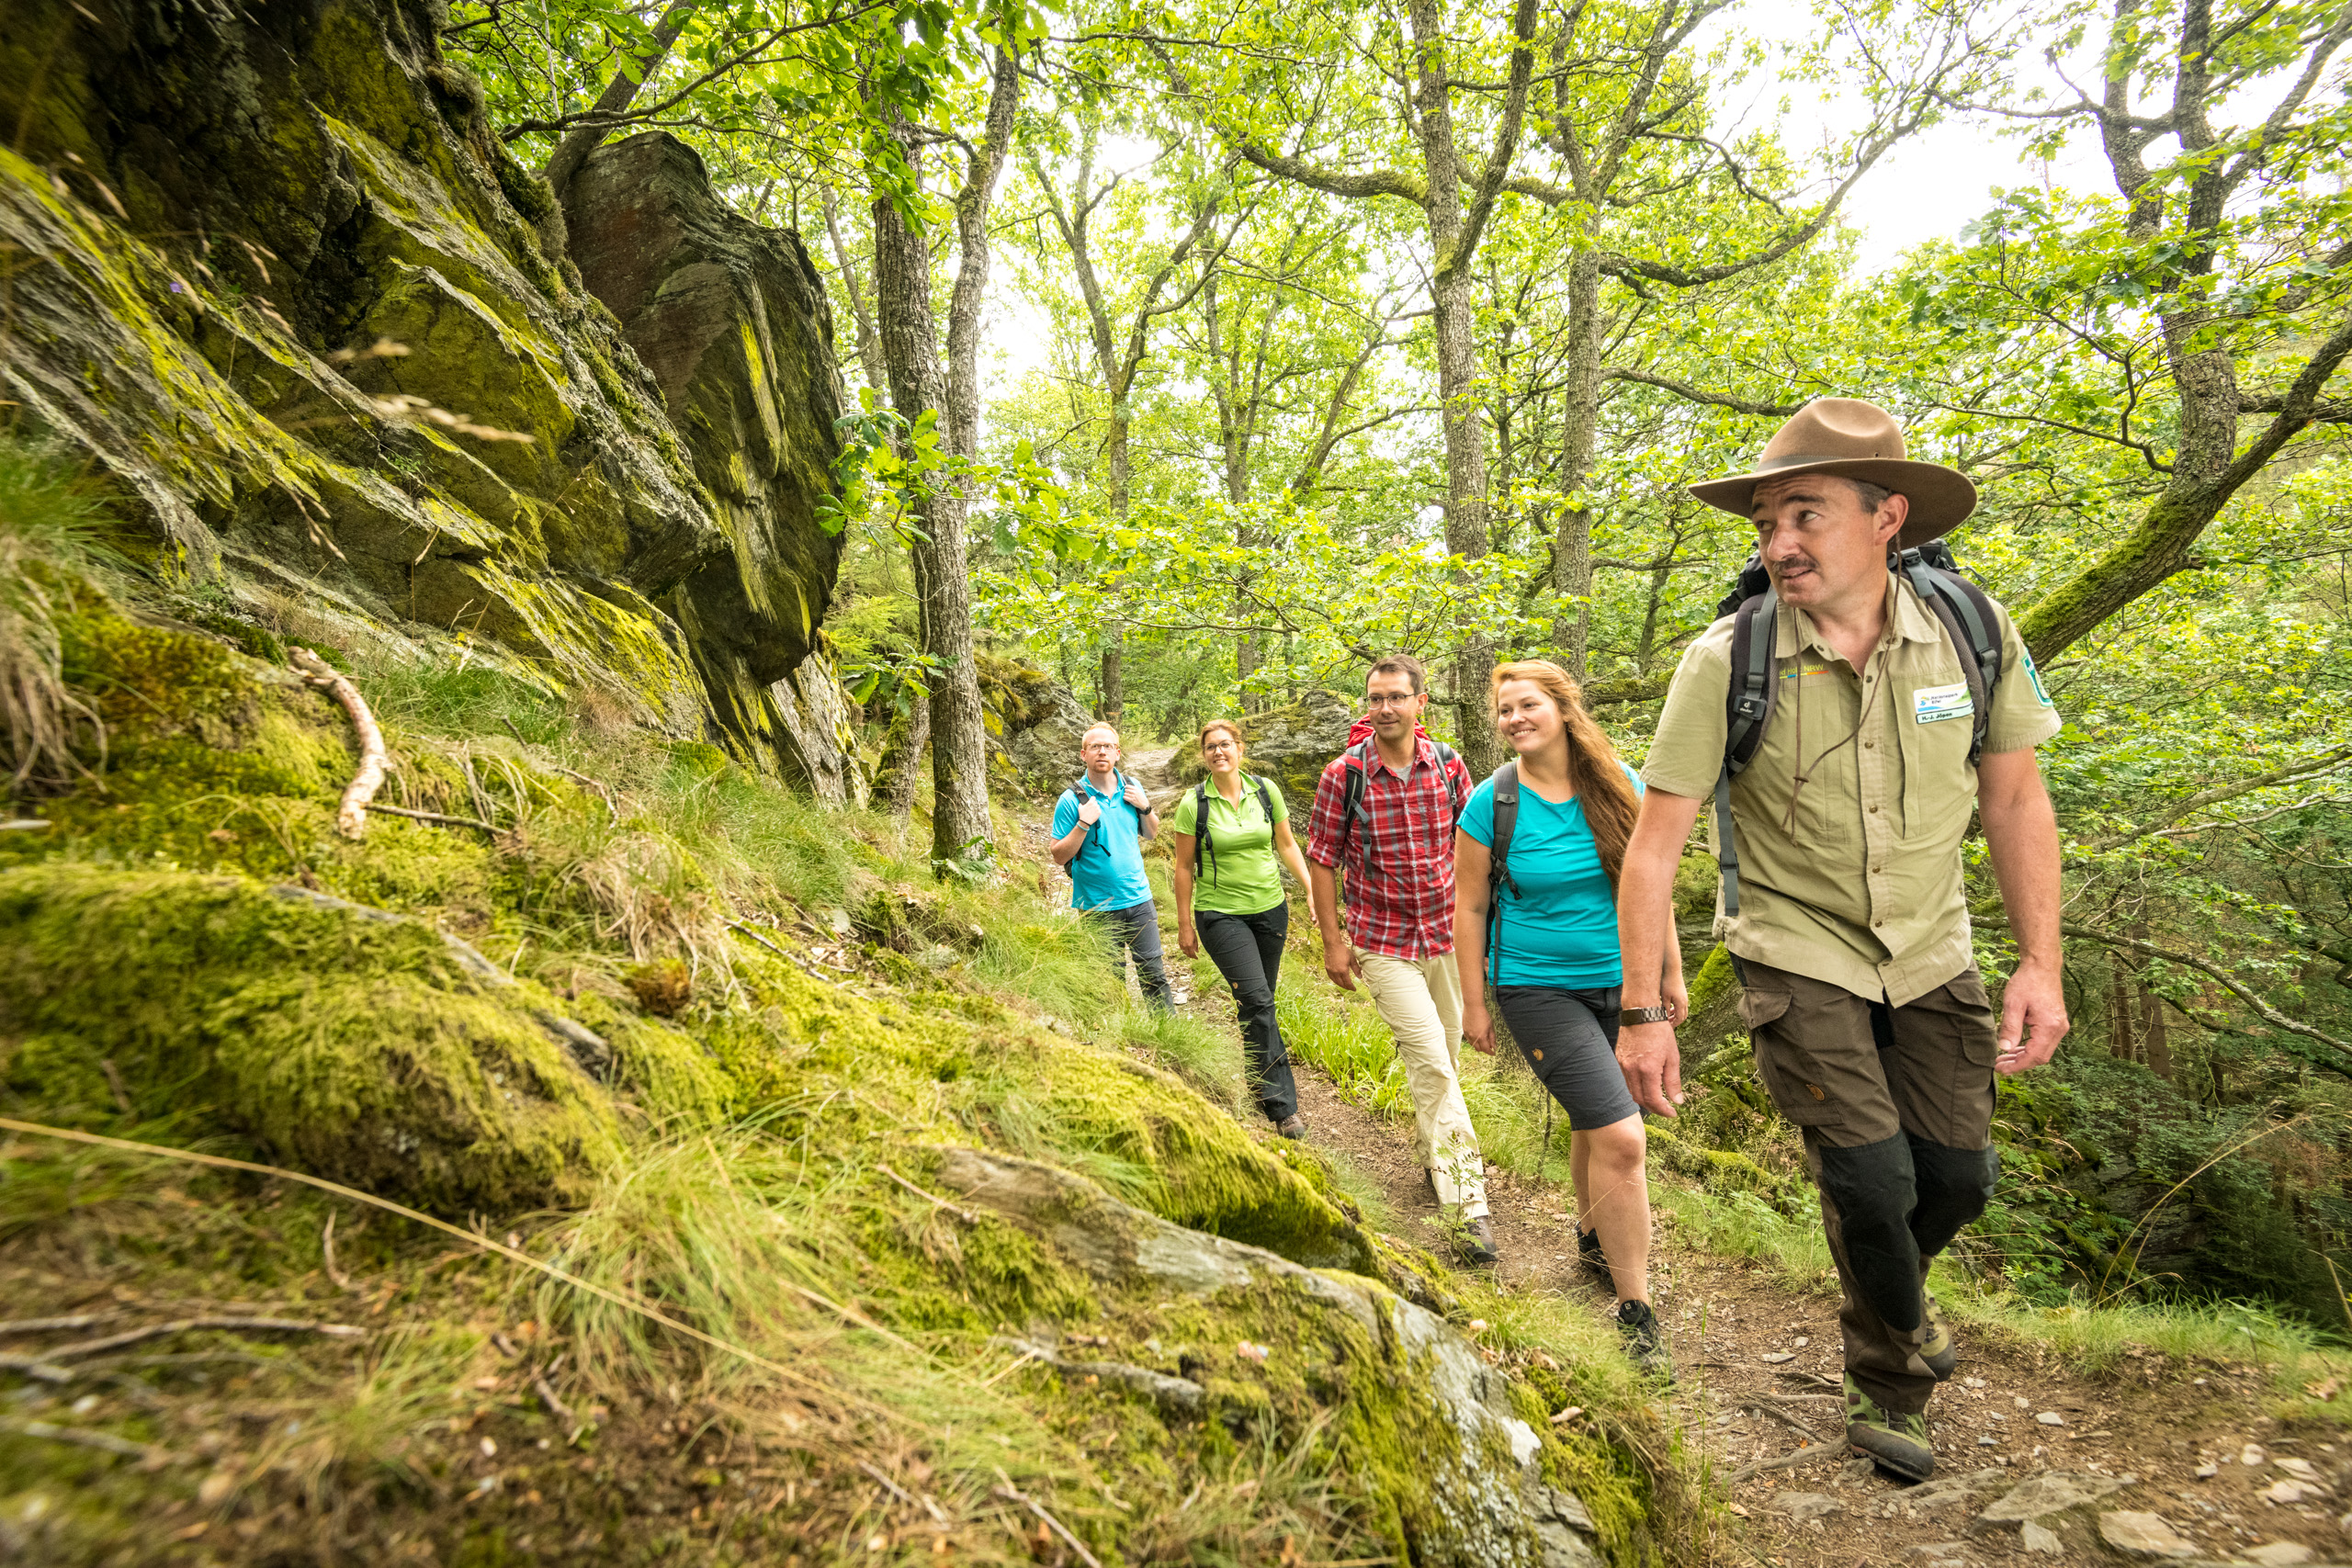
[
  {"x": 1292, "y": 1126},
  {"x": 1936, "y": 1348},
  {"x": 1897, "y": 1441},
  {"x": 1596, "y": 1261},
  {"x": 1644, "y": 1342},
  {"x": 1476, "y": 1241}
]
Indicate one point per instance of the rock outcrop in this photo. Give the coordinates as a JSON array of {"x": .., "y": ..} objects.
[{"x": 270, "y": 270}]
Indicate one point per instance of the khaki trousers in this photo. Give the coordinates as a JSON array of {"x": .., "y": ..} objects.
[{"x": 1420, "y": 1000}]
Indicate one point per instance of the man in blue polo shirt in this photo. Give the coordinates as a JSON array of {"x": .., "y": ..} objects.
[{"x": 1100, "y": 824}]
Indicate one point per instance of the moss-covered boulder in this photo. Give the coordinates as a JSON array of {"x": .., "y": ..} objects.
[
  {"x": 270, "y": 270},
  {"x": 363, "y": 1047}
]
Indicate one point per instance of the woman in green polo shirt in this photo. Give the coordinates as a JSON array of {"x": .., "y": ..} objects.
[{"x": 1230, "y": 865}]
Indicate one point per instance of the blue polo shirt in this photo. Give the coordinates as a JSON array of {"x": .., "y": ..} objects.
[{"x": 1107, "y": 871}]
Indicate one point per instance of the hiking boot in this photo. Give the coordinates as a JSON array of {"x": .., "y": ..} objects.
[
  {"x": 1936, "y": 1348},
  {"x": 1897, "y": 1441},
  {"x": 1596, "y": 1261},
  {"x": 1292, "y": 1126},
  {"x": 1644, "y": 1342},
  {"x": 1476, "y": 1241}
]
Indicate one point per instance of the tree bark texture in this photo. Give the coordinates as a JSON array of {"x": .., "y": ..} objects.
[
  {"x": 1579, "y": 425},
  {"x": 869, "y": 341},
  {"x": 959, "y": 813}
]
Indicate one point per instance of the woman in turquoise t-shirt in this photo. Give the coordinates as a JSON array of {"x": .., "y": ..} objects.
[
  {"x": 1230, "y": 867},
  {"x": 1554, "y": 959}
]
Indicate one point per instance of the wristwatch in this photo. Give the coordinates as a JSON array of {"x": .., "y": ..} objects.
[{"x": 1660, "y": 1014}]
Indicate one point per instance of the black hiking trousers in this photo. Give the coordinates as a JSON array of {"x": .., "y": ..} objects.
[
  {"x": 1136, "y": 929},
  {"x": 1248, "y": 951}
]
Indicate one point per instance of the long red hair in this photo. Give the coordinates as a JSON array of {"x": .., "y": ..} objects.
[{"x": 1594, "y": 773}]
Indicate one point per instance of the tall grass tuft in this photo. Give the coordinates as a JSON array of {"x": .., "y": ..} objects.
[{"x": 49, "y": 534}]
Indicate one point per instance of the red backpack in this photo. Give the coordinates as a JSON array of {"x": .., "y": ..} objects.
[{"x": 1358, "y": 757}]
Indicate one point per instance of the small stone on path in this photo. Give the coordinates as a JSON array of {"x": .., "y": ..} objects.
[
  {"x": 2142, "y": 1535},
  {"x": 2300, "y": 1469},
  {"x": 1804, "y": 1506},
  {"x": 2208, "y": 1471},
  {"x": 1774, "y": 1357},
  {"x": 2043, "y": 1540},
  {"x": 2278, "y": 1554},
  {"x": 2252, "y": 1454},
  {"x": 1803, "y": 1340},
  {"x": 2051, "y": 1418},
  {"x": 2289, "y": 1492}
]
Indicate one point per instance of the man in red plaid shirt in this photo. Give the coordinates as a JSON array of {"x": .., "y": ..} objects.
[{"x": 1385, "y": 811}]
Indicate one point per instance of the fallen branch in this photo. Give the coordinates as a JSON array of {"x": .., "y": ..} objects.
[
  {"x": 1012, "y": 1494},
  {"x": 351, "y": 816},
  {"x": 1813, "y": 1455},
  {"x": 889, "y": 1485},
  {"x": 106, "y": 1442},
  {"x": 188, "y": 1325},
  {"x": 1759, "y": 1405},
  {"x": 326, "y": 1248},
  {"x": 34, "y": 1367},
  {"x": 74, "y": 1324},
  {"x": 556, "y": 1407},
  {"x": 436, "y": 817},
  {"x": 964, "y": 1215},
  {"x": 610, "y": 809}
]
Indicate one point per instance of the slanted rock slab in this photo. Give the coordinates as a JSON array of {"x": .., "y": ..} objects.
[
  {"x": 2140, "y": 1534},
  {"x": 2052, "y": 1492},
  {"x": 1801, "y": 1506}
]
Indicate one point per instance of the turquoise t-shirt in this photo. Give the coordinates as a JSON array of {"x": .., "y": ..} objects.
[
  {"x": 1242, "y": 877},
  {"x": 1107, "y": 872},
  {"x": 1562, "y": 928}
]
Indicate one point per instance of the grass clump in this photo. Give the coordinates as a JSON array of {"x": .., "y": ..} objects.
[{"x": 50, "y": 526}]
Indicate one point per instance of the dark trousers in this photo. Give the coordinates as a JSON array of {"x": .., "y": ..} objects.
[
  {"x": 1248, "y": 951},
  {"x": 1897, "y": 1108},
  {"x": 1136, "y": 929}
]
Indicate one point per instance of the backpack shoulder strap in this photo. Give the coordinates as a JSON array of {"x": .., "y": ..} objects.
[
  {"x": 1968, "y": 619},
  {"x": 1265, "y": 801},
  {"x": 1457, "y": 780},
  {"x": 1202, "y": 848},
  {"x": 1506, "y": 783},
  {"x": 1752, "y": 692},
  {"x": 1506, "y": 787},
  {"x": 1352, "y": 810}
]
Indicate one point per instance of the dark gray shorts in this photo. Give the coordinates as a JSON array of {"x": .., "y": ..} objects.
[{"x": 1569, "y": 1039}]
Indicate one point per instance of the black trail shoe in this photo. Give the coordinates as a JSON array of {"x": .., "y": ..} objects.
[
  {"x": 1644, "y": 1341},
  {"x": 1937, "y": 1349},
  {"x": 1476, "y": 1241},
  {"x": 1897, "y": 1441},
  {"x": 1588, "y": 1253},
  {"x": 1292, "y": 1126}
]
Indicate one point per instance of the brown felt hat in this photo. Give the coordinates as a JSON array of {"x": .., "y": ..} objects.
[{"x": 1859, "y": 441}]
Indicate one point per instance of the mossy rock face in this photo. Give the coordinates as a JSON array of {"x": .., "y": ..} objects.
[
  {"x": 1034, "y": 725},
  {"x": 257, "y": 194},
  {"x": 1290, "y": 745},
  {"x": 359, "y": 1049}
]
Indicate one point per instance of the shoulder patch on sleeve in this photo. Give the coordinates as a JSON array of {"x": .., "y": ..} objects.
[{"x": 2041, "y": 692}]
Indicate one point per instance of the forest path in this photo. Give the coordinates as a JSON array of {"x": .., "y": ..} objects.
[{"x": 2156, "y": 1420}]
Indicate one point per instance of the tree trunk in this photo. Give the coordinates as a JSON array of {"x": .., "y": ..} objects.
[
  {"x": 1580, "y": 419},
  {"x": 2158, "y": 1046},
  {"x": 869, "y": 342},
  {"x": 619, "y": 93},
  {"x": 1457, "y": 371},
  {"x": 2120, "y": 1001},
  {"x": 959, "y": 812},
  {"x": 907, "y": 778},
  {"x": 963, "y": 311},
  {"x": 1113, "y": 641}
]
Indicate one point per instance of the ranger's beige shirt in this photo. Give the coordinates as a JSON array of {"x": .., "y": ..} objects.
[{"x": 1854, "y": 878}]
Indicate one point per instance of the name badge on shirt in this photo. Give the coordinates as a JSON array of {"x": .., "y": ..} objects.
[{"x": 1933, "y": 705}]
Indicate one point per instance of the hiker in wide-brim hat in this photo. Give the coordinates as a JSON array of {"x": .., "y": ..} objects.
[
  {"x": 1854, "y": 440},
  {"x": 1856, "y": 704}
]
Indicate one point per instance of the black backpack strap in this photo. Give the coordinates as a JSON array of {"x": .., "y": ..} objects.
[
  {"x": 1265, "y": 801},
  {"x": 1753, "y": 692},
  {"x": 1969, "y": 620},
  {"x": 1457, "y": 793},
  {"x": 1352, "y": 810},
  {"x": 1201, "y": 847},
  {"x": 1499, "y": 877}
]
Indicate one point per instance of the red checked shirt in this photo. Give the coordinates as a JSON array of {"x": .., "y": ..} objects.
[{"x": 1403, "y": 907}]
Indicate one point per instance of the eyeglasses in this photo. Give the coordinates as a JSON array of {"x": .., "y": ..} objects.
[
  {"x": 1391, "y": 699},
  {"x": 1216, "y": 746}
]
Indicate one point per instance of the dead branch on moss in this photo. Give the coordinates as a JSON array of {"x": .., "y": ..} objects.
[
  {"x": 106, "y": 1442},
  {"x": 556, "y": 1407},
  {"x": 59, "y": 1325},
  {"x": 1012, "y": 1494},
  {"x": 326, "y": 1250},
  {"x": 1813, "y": 1455},
  {"x": 610, "y": 809},
  {"x": 188, "y": 1325},
  {"x": 351, "y": 816},
  {"x": 964, "y": 1215},
  {"x": 434, "y": 817}
]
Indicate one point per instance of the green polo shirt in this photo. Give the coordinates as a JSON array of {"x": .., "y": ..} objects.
[
  {"x": 1243, "y": 877},
  {"x": 1854, "y": 877}
]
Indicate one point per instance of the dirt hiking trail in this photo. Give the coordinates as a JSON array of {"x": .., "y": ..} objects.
[{"x": 2163, "y": 1461}]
